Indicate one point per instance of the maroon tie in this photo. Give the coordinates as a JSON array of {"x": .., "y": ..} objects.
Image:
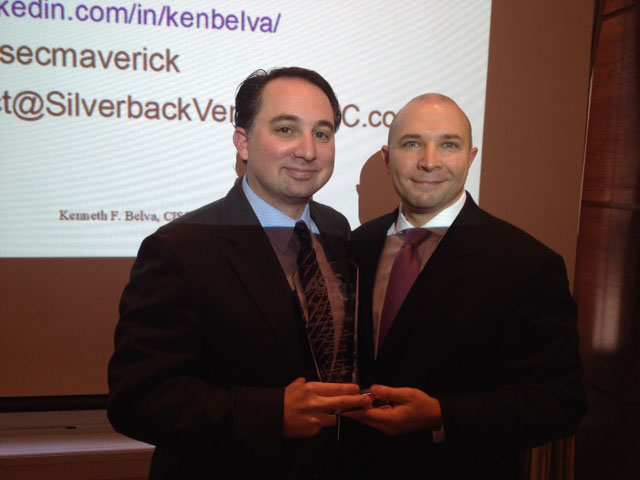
[{"x": 405, "y": 270}]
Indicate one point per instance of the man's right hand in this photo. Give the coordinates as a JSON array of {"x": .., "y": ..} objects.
[
  {"x": 308, "y": 405},
  {"x": 409, "y": 410}
]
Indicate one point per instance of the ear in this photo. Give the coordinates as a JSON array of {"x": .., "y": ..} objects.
[
  {"x": 241, "y": 141},
  {"x": 472, "y": 155},
  {"x": 385, "y": 155}
]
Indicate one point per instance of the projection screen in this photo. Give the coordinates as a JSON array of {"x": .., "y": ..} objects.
[{"x": 116, "y": 117}]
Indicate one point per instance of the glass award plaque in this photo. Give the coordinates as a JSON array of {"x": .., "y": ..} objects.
[{"x": 329, "y": 299}]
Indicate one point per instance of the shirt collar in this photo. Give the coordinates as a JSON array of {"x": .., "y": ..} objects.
[
  {"x": 443, "y": 219},
  {"x": 272, "y": 218}
]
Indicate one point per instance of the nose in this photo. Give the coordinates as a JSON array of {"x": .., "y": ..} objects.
[
  {"x": 430, "y": 159},
  {"x": 305, "y": 148}
]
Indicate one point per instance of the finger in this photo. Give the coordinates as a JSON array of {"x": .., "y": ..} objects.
[
  {"x": 373, "y": 421},
  {"x": 298, "y": 380},
  {"x": 326, "y": 419},
  {"x": 332, "y": 389},
  {"x": 343, "y": 402},
  {"x": 383, "y": 414},
  {"x": 355, "y": 414},
  {"x": 389, "y": 394}
]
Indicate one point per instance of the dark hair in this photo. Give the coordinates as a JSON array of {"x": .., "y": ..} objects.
[{"x": 249, "y": 93}]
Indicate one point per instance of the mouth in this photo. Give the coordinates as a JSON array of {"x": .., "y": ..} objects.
[
  {"x": 427, "y": 182},
  {"x": 300, "y": 173}
]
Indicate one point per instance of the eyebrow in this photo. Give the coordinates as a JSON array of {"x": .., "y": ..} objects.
[
  {"x": 415, "y": 136},
  {"x": 293, "y": 118},
  {"x": 326, "y": 123},
  {"x": 280, "y": 118},
  {"x": 409, "y": 136},
  {"x": 451, "y": 136}
]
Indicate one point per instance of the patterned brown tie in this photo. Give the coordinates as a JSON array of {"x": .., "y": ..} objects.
[
  {"x": 320, "y": 329},
  {"x": 404, "y": 272}
]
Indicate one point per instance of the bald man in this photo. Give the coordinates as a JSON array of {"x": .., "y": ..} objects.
[{"x": 468, "y": 329}]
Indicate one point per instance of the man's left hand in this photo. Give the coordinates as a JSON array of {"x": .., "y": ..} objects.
[{"x": 409, "y": 410}]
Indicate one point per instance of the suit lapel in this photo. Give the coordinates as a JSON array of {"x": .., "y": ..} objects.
[
  {"x": 370, "y": 251},
  {"x": 448, "y": 267},
  {"x": 252, "y": 257},
  {"x": 366, "y": 249}
]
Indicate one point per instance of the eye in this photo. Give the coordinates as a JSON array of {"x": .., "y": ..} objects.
[
  {"x": 322, "y": 135},
  {"x": 450, "y": 145},
  {"x": 285, "y": 131},
  {"x": 411, "y": 144}
]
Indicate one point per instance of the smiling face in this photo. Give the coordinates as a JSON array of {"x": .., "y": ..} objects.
[
  {"x": 290, "y": 147},
  {"x": 428, "y": 156}
]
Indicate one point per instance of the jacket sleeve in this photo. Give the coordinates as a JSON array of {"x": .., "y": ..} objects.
[
  {"x": 540, "y": 393},
  {"x": 161, "y": 391}
]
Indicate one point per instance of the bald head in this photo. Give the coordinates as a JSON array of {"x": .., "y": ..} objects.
[
  {"x": 427, "y": 98},
  {"x": 429, "y": 155}
]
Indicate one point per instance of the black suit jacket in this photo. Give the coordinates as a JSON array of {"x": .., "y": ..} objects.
[
  {"x": 489, "y": 329},
  {"x": 207, "y": 340}
]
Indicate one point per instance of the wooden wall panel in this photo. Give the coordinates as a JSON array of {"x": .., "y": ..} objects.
[
  {"x": 96, "y": 466},
  {"x": 613, "y": 6},
  {"x": 606, "y": 291},
  {"x": 607, "y": 283},
  {"x": 612, "y": 170}
]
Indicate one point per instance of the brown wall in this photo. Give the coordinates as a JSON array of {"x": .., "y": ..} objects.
[
  {"x": 58, "y": 317},
  {"x": 535, "y": 123}
]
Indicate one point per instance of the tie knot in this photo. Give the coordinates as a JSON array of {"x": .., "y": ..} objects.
[
  {"x": 301, "y": 228},
  {"x": 303, "y": 232},
  {"x": 415, "y": 236}
]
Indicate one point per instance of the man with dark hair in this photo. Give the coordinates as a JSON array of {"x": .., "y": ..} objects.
[
  {"x": 468, "y": 328},
  {"x": 212, "y": 362},
  {"x": 249, "y": 93}
]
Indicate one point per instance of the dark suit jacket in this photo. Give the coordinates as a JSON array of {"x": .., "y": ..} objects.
[
  {"x": 489, "y": 329},
  {"x": 207, "y": 340}
]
